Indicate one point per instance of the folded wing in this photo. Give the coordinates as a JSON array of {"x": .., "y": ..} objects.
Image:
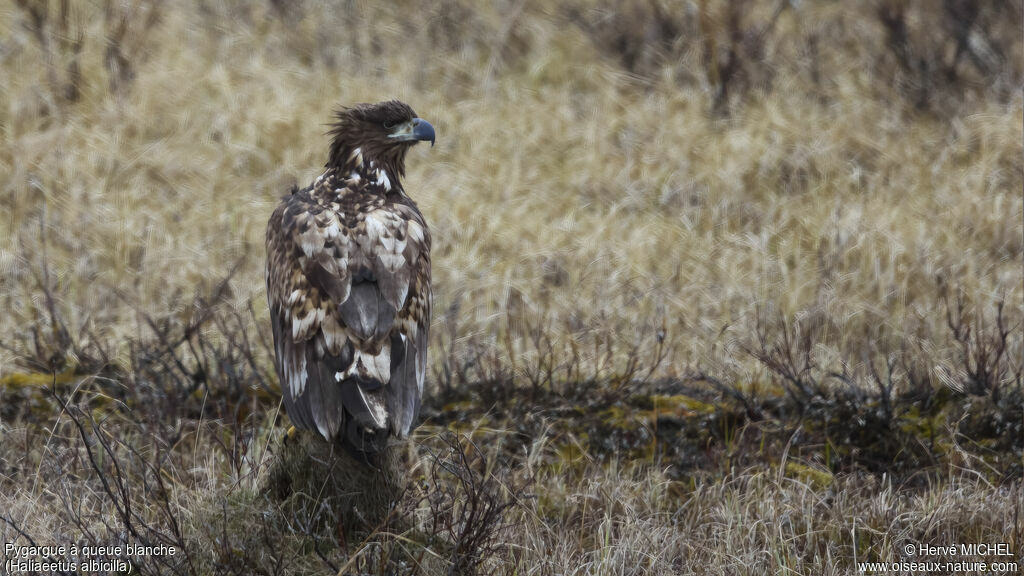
[{"x": 350, "y": 310}]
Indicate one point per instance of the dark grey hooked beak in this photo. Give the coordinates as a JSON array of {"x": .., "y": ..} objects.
[
  {"x": 422, "y": 130},
  {"x": 415, "y": 130}
]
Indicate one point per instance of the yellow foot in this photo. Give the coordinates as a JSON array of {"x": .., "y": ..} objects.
[{"x": 292, "y": 431}]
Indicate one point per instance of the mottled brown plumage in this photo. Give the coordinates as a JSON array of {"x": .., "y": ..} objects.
[{"x": 348, "y": 283}]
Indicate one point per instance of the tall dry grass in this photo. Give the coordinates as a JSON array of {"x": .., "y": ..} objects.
[{"x": 562, "y": 188}]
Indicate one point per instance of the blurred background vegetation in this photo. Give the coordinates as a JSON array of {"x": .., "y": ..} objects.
[{"x": 684, "y": 252}]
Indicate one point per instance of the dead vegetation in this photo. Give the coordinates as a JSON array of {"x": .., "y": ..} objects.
[
  {"x": 60, "y": 36},
  {"x": 725, "y": 287}
]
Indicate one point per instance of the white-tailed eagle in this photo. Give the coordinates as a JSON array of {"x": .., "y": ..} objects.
[{"x": 348, "y": 283}]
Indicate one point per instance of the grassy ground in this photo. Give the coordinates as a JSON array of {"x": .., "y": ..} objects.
[{"x": 719, "y": 287}]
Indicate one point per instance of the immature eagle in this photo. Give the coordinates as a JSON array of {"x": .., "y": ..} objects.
[{"x": 348, "y": 282}]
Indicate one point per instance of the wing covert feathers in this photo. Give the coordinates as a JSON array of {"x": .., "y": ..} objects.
[{"x": 348, "y": 284}]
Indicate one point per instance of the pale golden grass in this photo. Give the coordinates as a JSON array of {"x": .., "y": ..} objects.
[
  {"x": 554, "y": 168},
  {"x": 561, "y": 190},
  {"x": 616, "y": 521}
]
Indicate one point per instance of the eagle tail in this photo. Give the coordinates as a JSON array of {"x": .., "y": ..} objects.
[
  {"x": 408, "y": 358},
  {"x": 324, "y": 395},
  {"x": 363, "y": 414},
  {"x": 349, "y": 401}
]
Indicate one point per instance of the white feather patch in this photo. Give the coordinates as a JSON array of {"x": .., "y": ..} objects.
[
  {"x": 399, "y": 246},
  {"x": 377, "y": 409},
  {"x": 311, "y": 241},
  {"x": 302, "y": 325},
  {"x": 388, "y": 242},
  {"x": 299, "y": 325},
  {"x": 421, "y": 371},
  {"x": 376, "y": 367},
  {"x": 334, "y": 335},
  {"x": 383, "y": 180},
  {"x": 375, "y": 228},
  {"x": 332, "y": 231},
  {"x": 403, "y": 292},
  {"x": 296, "y": 376},
  {"x": 415, "y": 232},
  {"x": 392, "y": 262}
]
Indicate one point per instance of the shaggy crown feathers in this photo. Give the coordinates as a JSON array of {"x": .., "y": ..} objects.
[{"x": 366, "y": 126}]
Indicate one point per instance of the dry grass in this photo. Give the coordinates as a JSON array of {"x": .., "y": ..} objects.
[{"x": 768, "y": 198}]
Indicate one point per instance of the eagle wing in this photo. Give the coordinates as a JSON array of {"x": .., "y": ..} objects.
[{"x": 350, "y": 302}]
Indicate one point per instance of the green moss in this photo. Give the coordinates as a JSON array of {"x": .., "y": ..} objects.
[
  {"x": 573, "y": 453},
  {"x": 926, "y": 425},
  {"x": 461, "y": 406},
  {"x": 30, "y": 393},
  {"x": 816, "y": 477},
  {"x": 19, "y": 380},
  {"x": 617, "y": 417},
  {"x": 680, "y": 405}
]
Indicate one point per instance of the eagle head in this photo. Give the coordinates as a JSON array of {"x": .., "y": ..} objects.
[{"x": 380, "y": 133}]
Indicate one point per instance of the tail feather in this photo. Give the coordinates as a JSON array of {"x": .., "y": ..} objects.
[{"x": 365, "y": 405}]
